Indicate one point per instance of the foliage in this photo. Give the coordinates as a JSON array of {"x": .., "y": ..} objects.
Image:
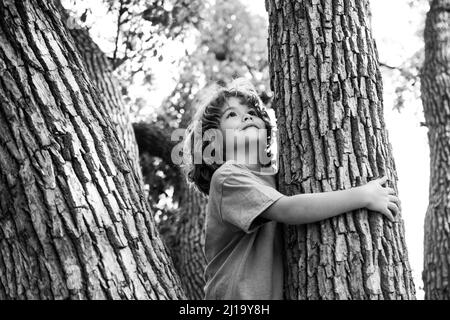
[
  {"x": 137, "y": 33},
  {"x": 409, "y": 80},
  {"x": 231, "y": 43},
  {"x": 158, "y": 177},
  {"x": 406, "y": 77},
  {"x": 142, "y": 26}
]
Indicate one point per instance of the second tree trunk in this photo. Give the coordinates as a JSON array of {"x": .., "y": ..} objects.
[
  {"x": 332, "y": 136},
  {"x": 435, "y": 85}
]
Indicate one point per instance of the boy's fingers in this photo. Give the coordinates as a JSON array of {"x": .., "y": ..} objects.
[
  {"x": 390, "y": 190},
  {"x": 394, "y": 199},
  {"x": 393, "y": 207},
  {"x": 388, "y": 215}
]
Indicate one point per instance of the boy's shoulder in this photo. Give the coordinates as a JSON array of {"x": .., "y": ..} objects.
[
  {"x": 227, "y": 169},
  {"x": 229, "y": 174},
  {"x": 230, "y": 171}
]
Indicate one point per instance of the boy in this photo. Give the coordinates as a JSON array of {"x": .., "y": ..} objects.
[{"x": 243, "y": 244}]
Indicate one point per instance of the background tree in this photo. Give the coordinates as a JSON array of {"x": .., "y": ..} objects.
[
  {"x": 141, "y": 30},
  {"x": 435, "y": 79},
  {"x": 328, "y": 101},
  {"x": 75, "y": 223},
  {"x": 182, "y": 226}
]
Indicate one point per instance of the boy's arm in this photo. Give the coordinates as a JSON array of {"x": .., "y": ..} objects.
[{"x": 313, "y": 207}]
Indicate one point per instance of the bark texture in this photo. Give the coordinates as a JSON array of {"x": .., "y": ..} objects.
[
  {"x": 74, "y": 223},
  {"x": 435, "y": 86},
  {"x": 328, "y": 101},
  {"x": 186, "y": 243},
  {"x": 101, "y": 73},
  {"x": 189, "y": 242},
  {"x": 184, "y": 234}
]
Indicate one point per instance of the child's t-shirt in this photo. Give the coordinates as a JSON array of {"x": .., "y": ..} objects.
[{"x": 243, "y": 250}]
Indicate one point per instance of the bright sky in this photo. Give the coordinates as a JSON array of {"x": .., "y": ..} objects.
[{"x": 397, "y": 39}]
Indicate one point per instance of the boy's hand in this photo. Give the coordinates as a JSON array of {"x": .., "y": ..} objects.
[{"x": 381, "y": 199}]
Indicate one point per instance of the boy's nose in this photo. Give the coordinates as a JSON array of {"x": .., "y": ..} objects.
[{"x": 247, "y": 117}]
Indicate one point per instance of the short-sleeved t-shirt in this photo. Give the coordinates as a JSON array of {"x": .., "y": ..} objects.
[{"x": 243, "y": 250}]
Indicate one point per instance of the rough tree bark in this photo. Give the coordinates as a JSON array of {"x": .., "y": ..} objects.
[
  {"x": 435, "y": 87},
  {"x": 328, "y": 101},
  {"x": 74, "y": 223},
  {"x": 186, "y": 240},
  {"x": 100, "y": 71},
  {"x": 186, "y": 243}
]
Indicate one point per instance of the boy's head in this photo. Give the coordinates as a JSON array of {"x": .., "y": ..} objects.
[
  {"x": 227, "y": 120},
  {"x": 241, "y": 128}
]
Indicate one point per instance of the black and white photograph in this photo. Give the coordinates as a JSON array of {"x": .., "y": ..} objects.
[{"x": 240, "y": 150}]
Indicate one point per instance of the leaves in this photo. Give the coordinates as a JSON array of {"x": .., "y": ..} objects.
[
  {"x": 157, "y": 16},
  {"x": 141, "y": 27},
  {"x": 406, "y": 79}
]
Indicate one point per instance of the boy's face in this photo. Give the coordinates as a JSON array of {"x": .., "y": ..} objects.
[{"x": 241, "y": 126}]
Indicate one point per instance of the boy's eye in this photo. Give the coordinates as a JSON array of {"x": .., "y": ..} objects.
[
  {"x": 231, "y": 114},
  {"x": 252, "y": 112}
]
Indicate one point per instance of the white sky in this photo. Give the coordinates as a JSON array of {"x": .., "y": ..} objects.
[{"x": 396, "y": 37}]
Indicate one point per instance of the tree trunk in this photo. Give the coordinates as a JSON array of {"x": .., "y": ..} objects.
[
  {"x": 435, "y": 86},
  {"x": 188, "y": 243},
  {"x": 100, "y": 71},
  {"x": 183, "y": 234},
  {"x": 155, "y": 141},
  {"x": 328, "y": 101},
  {"x": 74, "y": 223}
]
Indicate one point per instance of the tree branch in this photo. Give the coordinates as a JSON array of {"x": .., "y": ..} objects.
[
  {"x": 402, "y": 70},
  {"x": 119, "y": 23}
]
